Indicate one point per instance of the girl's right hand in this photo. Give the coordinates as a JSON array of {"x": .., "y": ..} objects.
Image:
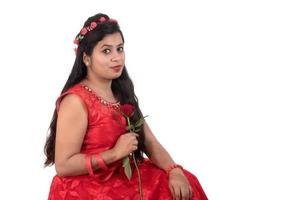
[{"x": 126, "y": 144}]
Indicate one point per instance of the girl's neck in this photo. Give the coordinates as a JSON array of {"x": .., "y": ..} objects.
[{"x": 102, "y": 88}]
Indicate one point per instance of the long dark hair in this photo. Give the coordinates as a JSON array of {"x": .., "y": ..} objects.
[{"x": 122, "y": 86}]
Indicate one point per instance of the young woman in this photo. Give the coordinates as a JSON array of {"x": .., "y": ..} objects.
[{"x": 88, "y": 139}]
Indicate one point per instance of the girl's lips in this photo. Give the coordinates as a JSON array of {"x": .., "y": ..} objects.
[{"x": 117, "y": 68}]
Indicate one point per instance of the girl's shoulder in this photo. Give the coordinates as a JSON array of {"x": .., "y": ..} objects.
[{"x": 76, "y": 94}]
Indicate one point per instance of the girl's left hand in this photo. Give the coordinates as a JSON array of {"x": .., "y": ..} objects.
[{"x": 179, "y": 185}]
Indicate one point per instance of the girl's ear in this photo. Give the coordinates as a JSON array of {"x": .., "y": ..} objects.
[{"x": 86, "y": 59}]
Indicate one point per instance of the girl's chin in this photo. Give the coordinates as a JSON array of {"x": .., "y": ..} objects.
[{"x": 115, "y": 76}]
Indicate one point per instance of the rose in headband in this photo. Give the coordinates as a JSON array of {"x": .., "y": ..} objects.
[{"x": 89, "y": 28}]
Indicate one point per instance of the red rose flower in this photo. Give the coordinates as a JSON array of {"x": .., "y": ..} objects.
[
  {"x": 127, "y": 109},
  {"x": 102, "y": 19},
  {"x": 75, "y": 50},
  {"x": 83, "y": 31},
  {"x": 93, "y": 25},
  {"x": 76, "y": 41},
  {"x": 113, "y": 20}
]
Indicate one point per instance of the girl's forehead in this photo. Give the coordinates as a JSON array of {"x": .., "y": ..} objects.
[{"x": 111, "y": 39}]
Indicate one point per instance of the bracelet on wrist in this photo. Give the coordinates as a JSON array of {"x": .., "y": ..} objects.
[
  {"x": 100, "y": 162},
  {"x": 173, "y": 166}
]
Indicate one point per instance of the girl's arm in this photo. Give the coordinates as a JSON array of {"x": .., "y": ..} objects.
[
  {"x": 178, "y": 183},
  {"x": 156, "y": 152},
  {"x": 70, "y": 130}
]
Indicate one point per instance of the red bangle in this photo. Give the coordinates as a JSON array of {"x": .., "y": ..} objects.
[
  {"x": 100, "y": 162},
  {"x": 88, "y": 164},
  {"x": 173, "y": 166}
]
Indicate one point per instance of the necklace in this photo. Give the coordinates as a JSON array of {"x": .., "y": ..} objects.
[{"x": 115, "y": 105}]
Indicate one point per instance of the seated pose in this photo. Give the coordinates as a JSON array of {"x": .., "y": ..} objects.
[{"x": 97, "y": 155}]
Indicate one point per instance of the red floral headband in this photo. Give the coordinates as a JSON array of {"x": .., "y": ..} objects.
[{"x": 89, "y": 28}]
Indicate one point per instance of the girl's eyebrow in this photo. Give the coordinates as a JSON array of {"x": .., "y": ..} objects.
[{"x": 111, "y": 45}]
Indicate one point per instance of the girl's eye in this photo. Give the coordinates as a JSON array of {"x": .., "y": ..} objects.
[
  {"x": 121, "y": 49},
  {"x": 106, "y": 51}
]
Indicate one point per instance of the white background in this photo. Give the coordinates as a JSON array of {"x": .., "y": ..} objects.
[{"x": 218, "y": 79}]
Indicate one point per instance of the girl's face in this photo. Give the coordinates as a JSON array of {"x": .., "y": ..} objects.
[{"x": 107, "y": 59}]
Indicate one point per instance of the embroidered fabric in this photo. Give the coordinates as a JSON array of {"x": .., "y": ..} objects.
[{"x": 105, "y": 125}]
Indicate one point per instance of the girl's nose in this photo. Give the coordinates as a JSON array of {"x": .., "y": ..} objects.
[{"x": 116, "y": 56}]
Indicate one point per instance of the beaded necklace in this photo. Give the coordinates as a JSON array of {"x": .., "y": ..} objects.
[{"x": 115, "y": 105}]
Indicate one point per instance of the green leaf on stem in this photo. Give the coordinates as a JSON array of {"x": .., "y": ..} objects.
[
  {"x": 127, "y": 167},
  {"x": 137, "y": 130},
  {"x": 140, "y": 122}
]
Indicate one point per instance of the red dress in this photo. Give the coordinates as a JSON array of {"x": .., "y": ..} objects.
[{"x": 105, "y": 125}]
